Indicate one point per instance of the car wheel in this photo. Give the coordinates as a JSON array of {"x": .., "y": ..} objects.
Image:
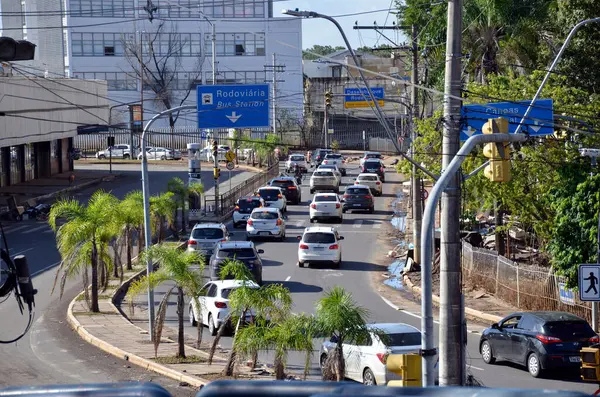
[
  {"x": 336, "y": 265},
  {"x": 371, "y": 210},
  {"x": 192, "y": 317},
  {"x": 163, "y": 158},
  {"x": 534, "y": 366},
  {"x": 300, "y": 264},
  {"x": 369, "y": 378},
  {"x": 126, "y": 156},
  {"x": 311, "y": 220},
  {"x": 102, "y": 157},
  {"x": 344, "y": 211},
  {"x": 486, "y": 353},
  {"x": 212, "y": 328},
  {"x": 312, "y": 191}
]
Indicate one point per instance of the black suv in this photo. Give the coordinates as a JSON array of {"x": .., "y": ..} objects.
[
  {"x": 320, "y": 155},
  {"x": 358, "y": 197},
  {"x": 290, "y": 188},
  {"x": 243, "y": 251},
  {"x": 374, "y": 167}
]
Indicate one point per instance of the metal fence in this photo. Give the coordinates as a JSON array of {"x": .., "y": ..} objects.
[{"x": 523, "y": 286}]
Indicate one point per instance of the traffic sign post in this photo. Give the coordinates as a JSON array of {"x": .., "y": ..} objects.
[
  {"x": 233, "y": 106},
  {"x": 230, "y": 156},
  {"x": 357, "y": 97},
  {"x": 589, "y": 290},
  {"x": 230, "y": 166},
  {"x": 540, "y": 120}
]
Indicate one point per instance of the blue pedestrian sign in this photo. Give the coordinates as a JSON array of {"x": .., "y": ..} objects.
[
  {"x": 589, "y": 275},
  {"x": 233, "y": 106},
  {"x": 203, "y": 135},
  {"x": 539, "y": 121},
  {"x": 360, "y": 98}
]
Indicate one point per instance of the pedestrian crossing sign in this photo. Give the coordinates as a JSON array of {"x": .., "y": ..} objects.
[{"x": 589, "y": 288}]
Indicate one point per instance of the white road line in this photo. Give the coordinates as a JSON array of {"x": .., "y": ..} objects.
[
  {"x": 17, "y": 228},
  {"x": 288, "y": 278},
  {"x": 44, "y": 269},
  {"x": 48, "y": 231},
  {"x": 22, "y": 252},
  {"x": 299, "y": 223},
  {"x": 358, "y": 223},
  {"x": 390, "y": 304},
  {"x": 377, "y": 224},
  {"x": 35, "y": 229},
  {"x": 477, "y": 368}
]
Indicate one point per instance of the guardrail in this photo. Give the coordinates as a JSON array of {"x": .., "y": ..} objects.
[{"x": 248, "y": 187}]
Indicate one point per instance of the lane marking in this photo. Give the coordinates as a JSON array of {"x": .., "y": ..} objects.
[
  {"x": 35, "y": 229},
  {"x": 16, "y": 229},
  {"x": 377, "y": 224},
  {"x": 358, "y": 223},
  {"x": 477, "y": 368},
  {"x": 22, "y": 252},
  {"x": 48, "y": 231},
  {"x": 44, "y": 269},
  {"x": 390, "y": 304},
  {"x": 288, "y": 278}
]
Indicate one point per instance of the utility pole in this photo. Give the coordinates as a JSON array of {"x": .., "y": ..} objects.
[
  {"x": 141, "y": 109},
  {"x": 416, "y": 181},
  {"x": 216, "y": 171},
  {"x": 274, "y": 69},
  {"x": 452, "y": 360},
  {"x": 325, "y": 123}
]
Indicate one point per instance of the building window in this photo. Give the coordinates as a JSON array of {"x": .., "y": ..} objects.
[
  {"x": 165, "y": 44},
  {"x": 177, "y": 8},
  {"x": 235, "y": 9},
  {"x": 237, "y": 77},
  {"x": 96, "y": 44},
  {"x": 102, "y": 8},
  {"x": 116, "y": 81},
  {"x": 237, "y": 44}
]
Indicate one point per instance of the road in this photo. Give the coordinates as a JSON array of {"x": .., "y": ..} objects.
[
  {"x": 361, "y": 250},
  {"x": 51, "y": 352}
]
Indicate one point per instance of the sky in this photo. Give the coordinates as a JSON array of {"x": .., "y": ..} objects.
[{"x": 322, "y": 32}]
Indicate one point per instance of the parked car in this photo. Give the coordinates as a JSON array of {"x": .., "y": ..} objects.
[
  {"x": 320, "y": 245},
  {"x": 358, "y": 197},
  {"x": 540, "y": 341},
  {"x": 76, "y": 154},
  {"x": 273, "y": 196},
  {"x": 266, "y": 222},
  {"x": 161, "y": 153},
  {"x": 205, "y": 236},
  {"x": 372, "y": 181},
  {"x": 319, "y": 155},
  {"x": 243, "y": 251},
  {"x": 243, "y": 209},
  {"x": 325, "y": 206},
  {"x": 290, "y": 188},
  {"x": 373, "y": 166},
  {"x": 221, "y": 150},
  {"x": 334, "y": 168},
  {"x": 298, "y": 160},
  {"x": 336, "y": 159},
  {"x": 324, "y": 180},
  {"x": 370, "y": 155},
  {"x": 214, "y": 304},
  {"x": 116, "y": 152},
  {"x": 365, "y": 359}
]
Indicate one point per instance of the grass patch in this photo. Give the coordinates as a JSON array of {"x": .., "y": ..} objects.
[
  {"x": 102, "y": 296},
  {"x": 178, "y": 360}
]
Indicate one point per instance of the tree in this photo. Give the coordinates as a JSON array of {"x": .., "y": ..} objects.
[
  {"x": 184, "y": 269},
  {"x": 162, "y": 208},
  {"x": 182, "y": 194},
  {"x": 309, "y": 53},
  {"x": 159, "y": 65},
  {"x": 79, "y": 239},
  {"x": 338, "y": 315},
  {"x": 131, "y": 214}
]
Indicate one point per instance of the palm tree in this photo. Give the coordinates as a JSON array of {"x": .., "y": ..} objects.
[
  {"x": 182, "y": 193},
  {"x": 185, "y": 270},
  {"x": 79, "y": 239},
  {"x": 162, "y": 208},
  {"x": 131, "y": 214},
  {"x": 338, "y": 315}
]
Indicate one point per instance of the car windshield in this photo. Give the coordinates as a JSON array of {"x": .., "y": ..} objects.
[
  {"x": 357, "y": 190},
  {"x": 367, "y": 178},
  {"x": 319, "y": 238},
  {"x": 269, "y": 194},
  {"x": 282, "y": 183},
  {"x": 206, "y": 233},
  {"x": 330, "y": 199},
  {"x": 239, "y": 253},
  {"x": 264, "y": 215},
  {"x": 248, "y": 204},
  {"x": 566, "y": 330},
  {"x": 323, "y": 173},
  {"x": 403, "y": 339},
  {"x": 297, "y": 158}
]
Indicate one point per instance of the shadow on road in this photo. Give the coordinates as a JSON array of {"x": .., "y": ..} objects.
[
  {"x": 268, "y": 262},
  {"x": 361, "y": 266},
  {"x": 572, "y": 376},
  {"x": 296, "y": 287}
]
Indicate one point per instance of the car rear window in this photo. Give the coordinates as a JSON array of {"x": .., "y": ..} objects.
[
  {"x": 372, "y": 164},
  {"x": 282, "y": 183},
  {"x": 269, "y": 194},
  {"x": 247, "y": 204},
  {"x": 357, "y": 190},
  {"x": 373, "y": 156},
  {"x": 264, "y": 215},
  {"x": 207, "y": 233},
  {"x": 329, "y": 199},
  {"x": 323, "y": 173},
  {"x": 333, "y": 156},
  {"x": 367, "y": 178},
  {"x": 297, "y": 158},
  {"x": 566, "y": 330},
  {"x": 238, "y": 253},
  {"x": 403, "y": 339},
  {"x": 319, "y": 238},
  {"x": 227, "y": 291}
]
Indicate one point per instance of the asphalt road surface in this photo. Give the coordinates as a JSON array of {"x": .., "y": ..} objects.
[
  {"x": 51, "y": 353},
  {"x": 360, "y": 248}
]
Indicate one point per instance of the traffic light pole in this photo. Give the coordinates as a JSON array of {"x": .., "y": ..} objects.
[
  {"x": 325, "y": 120},
  {"x": 427, "y": 346},
  {"x": 216, "y": 176}
]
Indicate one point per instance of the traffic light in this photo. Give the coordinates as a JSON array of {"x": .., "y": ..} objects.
[
  {"x": 590, "y": 363},
  {"x": 408, "y": 366},
  {"x": 16, "y": 50},
  {"x": 215, "y": 148},
  {"x": 216, "y": 172},
  {"x": 328, "y": 98},
  {"x": 499, "y": 152}
]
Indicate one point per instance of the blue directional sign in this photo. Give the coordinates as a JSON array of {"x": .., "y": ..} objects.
[
  {"x": 233, "y": 106},
  {"x": 357, "y": 97},
  {"x": 538, "y": 122}
]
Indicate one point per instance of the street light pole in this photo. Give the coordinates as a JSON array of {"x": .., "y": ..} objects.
[{"x": 146, "y": 198}]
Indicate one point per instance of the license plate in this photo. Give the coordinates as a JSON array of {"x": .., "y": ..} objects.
[
  {"x": 356, "y": 205},
  {"x": 575, "y": 359},
  {"x": 318, "y": 248},
  {"x": 264, "y": 233}
]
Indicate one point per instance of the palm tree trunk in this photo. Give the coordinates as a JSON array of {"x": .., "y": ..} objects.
[
  {"x": 180, "y": 334},
  {"x": 102, "y": 270},
  {"x": 200, "y": 329},
  {"x": 228, "y": 370},
  {"x": 279, "y": 367},
  {"x": 116, "y": 260},
  {"x": 218, "y": 337},
  {"x": 183, "y": 215},
  {"x": 128, "y": 244},
  {"x": 341, "y": 365},
  {"x": 94, "y": 305}
]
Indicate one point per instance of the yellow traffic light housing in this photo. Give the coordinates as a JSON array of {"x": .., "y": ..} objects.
[
  {"x": 216, "y": 172},
  {"x": 328, "y": 98},
  {"x": 499, "y": 153},
  {"x": 408, "y": 366},
  {"x": 590, "y": 364},
  {"x": 215, "y": 148}
]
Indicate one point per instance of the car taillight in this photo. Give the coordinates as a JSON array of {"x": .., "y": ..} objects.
[
  {"x": 324, "y": 161},
  {"x": 381, "y": 169},
  {"x": 292, "y": 187},
  {"x": 368, "y": 196},
  {"x": 337, "y": 205},
  {"x": 313, "y": 206},
  {"x": 594, "y": 339},
  {"x": 356, "y": 183},
  {"x": 250, "y": 222},
  {"x": 279, "y": 196},
  {"x": 378, "y": 183},
  {"x": 303, "y": 246},
  {"x": 334, "y": 247},
  {"x": 346, "y": 196},
  {"x": 279, "y": 222},
  {"x": 382, "y": 357},
  {"x": 221, "y": 305},
  {"x": 545, "y": 339},
  {"x": 192, "y": 242},
  {"x": 237, "y": 208},
  {"x": 222, "y": 240},
  {"x": 343, "y": 161},
  {"x": 364, "y": 169}
]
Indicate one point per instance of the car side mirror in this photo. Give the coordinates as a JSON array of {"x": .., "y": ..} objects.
[
  {"x": 261, "y": 251},
  {"x": 341, "y": 238},
  {"x": 299, "y": 238},
  {"x": 495, "y": 326}
]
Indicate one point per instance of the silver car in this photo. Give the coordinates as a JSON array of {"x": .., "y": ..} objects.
[
  {"x": 205, "y": 236},
  {"x": 266, "y": 222},
  {"x": 324, "y": 180}
]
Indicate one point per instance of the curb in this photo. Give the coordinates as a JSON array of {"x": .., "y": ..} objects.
[
  {"x": 479, "y": 315},
  {"x": 77, "y": 187}
]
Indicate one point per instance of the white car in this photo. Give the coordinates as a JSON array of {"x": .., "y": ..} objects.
[
  {"x": 324, "y": 180},
  {"x": 370, "y": 155},
  {"x": 273, "y": 196},
  {"x": 205, "y": 236},
  {"x": 243, "y": 209},
  {"x": 320, "y": 245},
  {"x": 335, "y": 159},
  {"x": 372, "y": 181},
  {"x": 296, "y": 159},
  {"x": 325, "y": 205},
  {"x": 161, "y": 153},
  {"x": 214, "y": 304},
  {"x": 266, "y": 222},
  {"x": 333, "y": 168},
  {"x": 116, "y": 152},
  {"x": 365, "y": 360}
]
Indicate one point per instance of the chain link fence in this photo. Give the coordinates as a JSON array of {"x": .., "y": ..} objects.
[{"x": 523, "y": 286}]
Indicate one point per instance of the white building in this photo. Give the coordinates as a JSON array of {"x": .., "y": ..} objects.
[{"x": 177, "y": 47}]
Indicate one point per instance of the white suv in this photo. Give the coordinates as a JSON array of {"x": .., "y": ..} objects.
[
  {"x": 117, "y": 151},
  {"x": 372, "y": 181},
  {"x": 318, "y": 245},
  {"x": 205, "y": 236},
  {"x": 298, "y": 160},
  {"x": 335, "y": 159},
  {"x": 273, "y": 197}
]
